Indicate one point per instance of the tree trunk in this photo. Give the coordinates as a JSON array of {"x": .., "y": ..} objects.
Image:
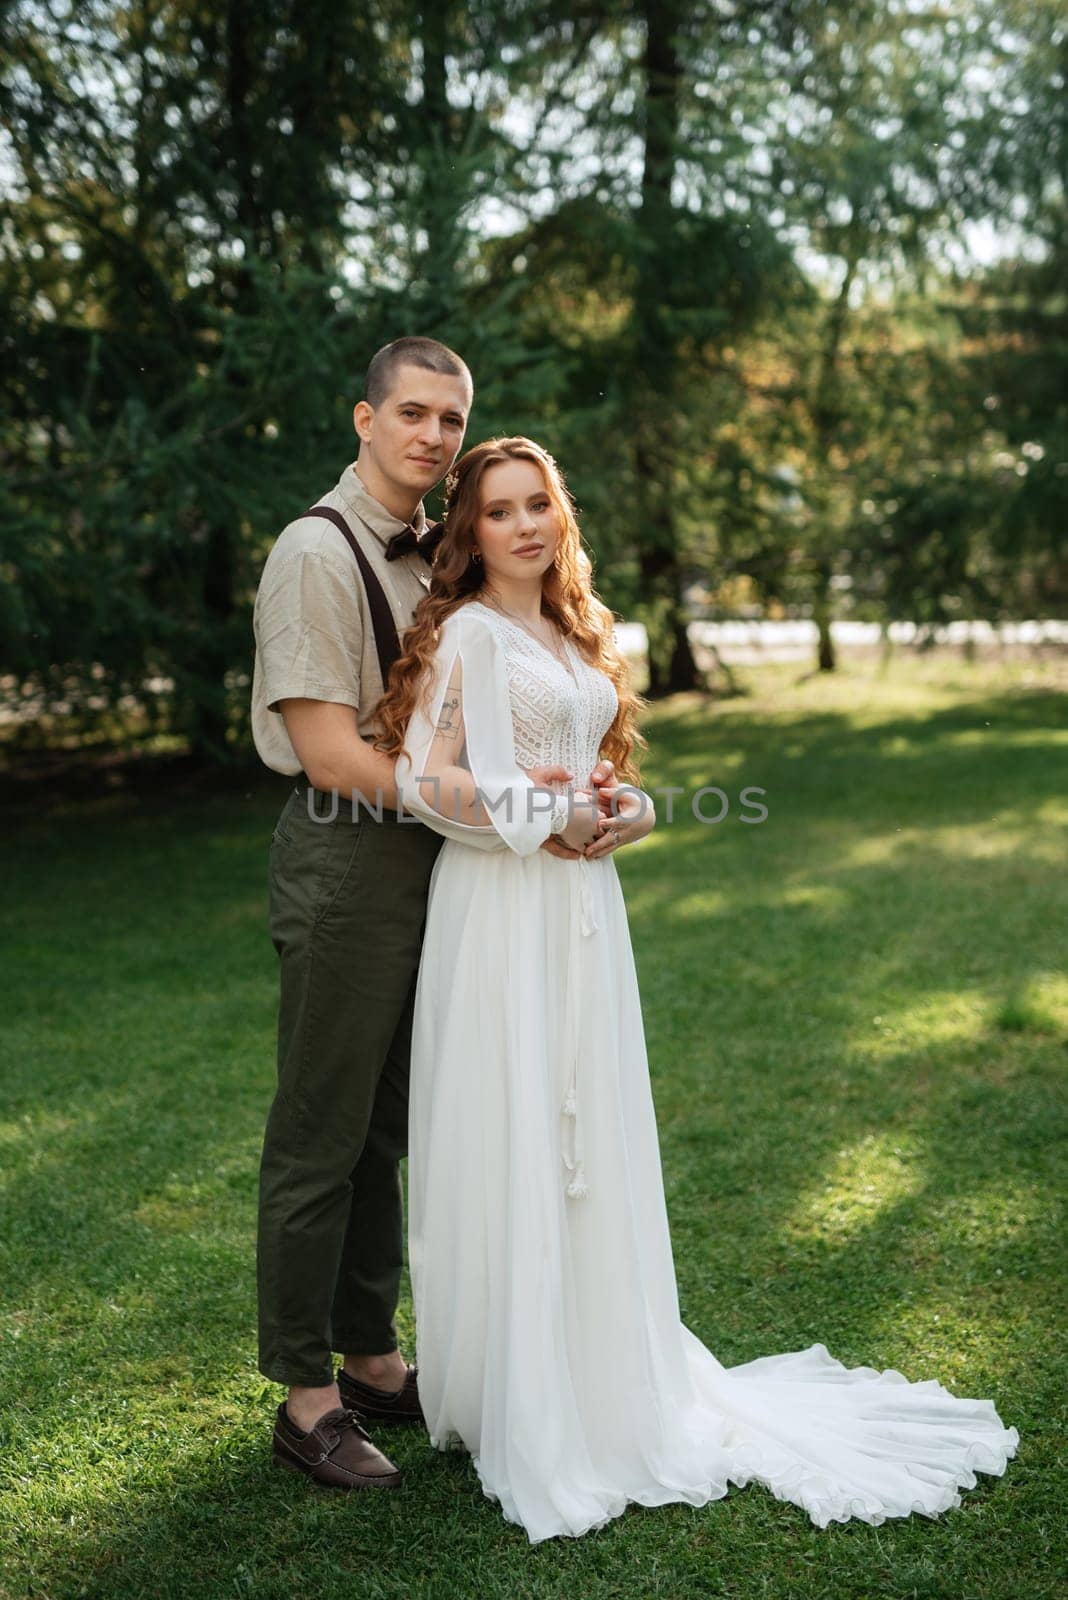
[
  {"x": 826, "y": 416},
  {"x": 821, "y": 611},
  {"x": 440, "y": 182},
  {"x": 671, "y": 663},
  {"x": 208, "y": 733}
]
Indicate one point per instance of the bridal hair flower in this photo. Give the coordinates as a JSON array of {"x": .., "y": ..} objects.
[{"x": 452, "y": 482}]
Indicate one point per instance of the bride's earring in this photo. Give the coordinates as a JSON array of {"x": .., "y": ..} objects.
[{"x": 476, "y": 555}]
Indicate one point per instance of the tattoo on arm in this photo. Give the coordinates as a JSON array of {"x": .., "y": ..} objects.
[{"x": 448, "y": 724}]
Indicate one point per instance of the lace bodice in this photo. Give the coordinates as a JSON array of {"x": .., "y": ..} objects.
[
  {"x": 521, "y": 708},
  {"x": 558, "y": 717}
]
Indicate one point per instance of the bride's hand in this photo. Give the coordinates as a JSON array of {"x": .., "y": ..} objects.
[
  {"x": 631, "y": 816},
  {"x": 584, "y": 823},
  {"x": 543, "y": 778}
]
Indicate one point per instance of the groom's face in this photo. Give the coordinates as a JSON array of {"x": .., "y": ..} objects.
[{"x": 414, "y": 434}]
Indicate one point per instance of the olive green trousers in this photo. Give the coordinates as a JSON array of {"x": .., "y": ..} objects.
[{"x": 348, "y": 900}]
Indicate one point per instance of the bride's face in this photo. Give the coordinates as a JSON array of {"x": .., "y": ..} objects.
[{"x": 517, "y": 529}]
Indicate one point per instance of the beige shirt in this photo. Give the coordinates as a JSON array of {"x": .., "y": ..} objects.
[{"x": 314, "y": 637}]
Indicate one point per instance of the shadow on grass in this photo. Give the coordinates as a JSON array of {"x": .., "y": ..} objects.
[{"x": 212, "y": 1516}]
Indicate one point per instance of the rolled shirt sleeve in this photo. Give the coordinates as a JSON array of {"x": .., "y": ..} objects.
[
  {"x": 309, "y": 630},
  {"x": 312, "y": 621}
]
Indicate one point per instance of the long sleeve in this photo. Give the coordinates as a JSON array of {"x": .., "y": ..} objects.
[{"x": 469, "y": 687}]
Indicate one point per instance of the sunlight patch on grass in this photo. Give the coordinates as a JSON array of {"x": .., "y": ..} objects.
[
  {"x": 1002, "y": 837},
  {"x": 695, "y": 771},
  {"x": 657, "y": 842},
  {"x": 646, "y": 902},
  {"x": 901, "y": 745},
  {"x": 1054, "y": 810},
  {"x": 874, "y": 849},
  {"x": 1039, "y": 1005},
  {"x": 863, "y": 689},
  {"x": 865, "y": 1179},
  {"x": 704, "y": 903},
  {"x": 822, "y": 896},
  {"x": 1016, "y": 738},
  {"x": 42, "y": 1124},
  {"x": 943, "y": 1016}
]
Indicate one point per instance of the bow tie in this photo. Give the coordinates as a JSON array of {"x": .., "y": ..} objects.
[{"x": 407, "y": 541}]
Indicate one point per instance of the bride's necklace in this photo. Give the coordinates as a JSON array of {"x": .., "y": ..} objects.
[{"x": 556, "y": 647}]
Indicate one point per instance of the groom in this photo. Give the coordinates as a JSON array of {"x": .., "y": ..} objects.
[{"x": 348, "y": 891}]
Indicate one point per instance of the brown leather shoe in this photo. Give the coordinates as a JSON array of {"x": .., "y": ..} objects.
[
  {"x": 337, "y": 1452},
  {"x": 381, "y": 1405}
]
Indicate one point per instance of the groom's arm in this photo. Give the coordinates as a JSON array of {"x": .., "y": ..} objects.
[{"x": 327, "y": 742}]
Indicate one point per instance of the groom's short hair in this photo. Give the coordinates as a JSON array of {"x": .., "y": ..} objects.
[{"x": 412, "y": 352}]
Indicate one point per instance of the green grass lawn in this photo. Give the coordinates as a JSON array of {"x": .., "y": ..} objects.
[{"x": 857, "y": 1017}]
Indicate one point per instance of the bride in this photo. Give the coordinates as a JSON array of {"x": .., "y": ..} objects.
[{"x": 549, "y": 1338}]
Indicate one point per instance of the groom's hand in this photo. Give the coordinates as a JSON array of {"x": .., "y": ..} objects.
[
  {"x": 631, "y": 815},
  {"x": 604, "y": 773},
  {"x": 553, "y": 847}
]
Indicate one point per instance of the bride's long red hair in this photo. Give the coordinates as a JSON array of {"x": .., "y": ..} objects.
[{"x": 568, "y": 599}]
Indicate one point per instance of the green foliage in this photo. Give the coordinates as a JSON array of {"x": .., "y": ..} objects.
[{"x": 710, "y": 256}]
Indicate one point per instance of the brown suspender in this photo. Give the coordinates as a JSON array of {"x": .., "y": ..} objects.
[{"x": 387, "y": 642}]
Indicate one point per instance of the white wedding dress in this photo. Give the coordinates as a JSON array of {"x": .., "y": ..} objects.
[{"x": 549, "y": 1339}]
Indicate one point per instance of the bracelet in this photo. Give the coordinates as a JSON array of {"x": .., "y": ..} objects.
[{"x": 561, "y": 814}]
